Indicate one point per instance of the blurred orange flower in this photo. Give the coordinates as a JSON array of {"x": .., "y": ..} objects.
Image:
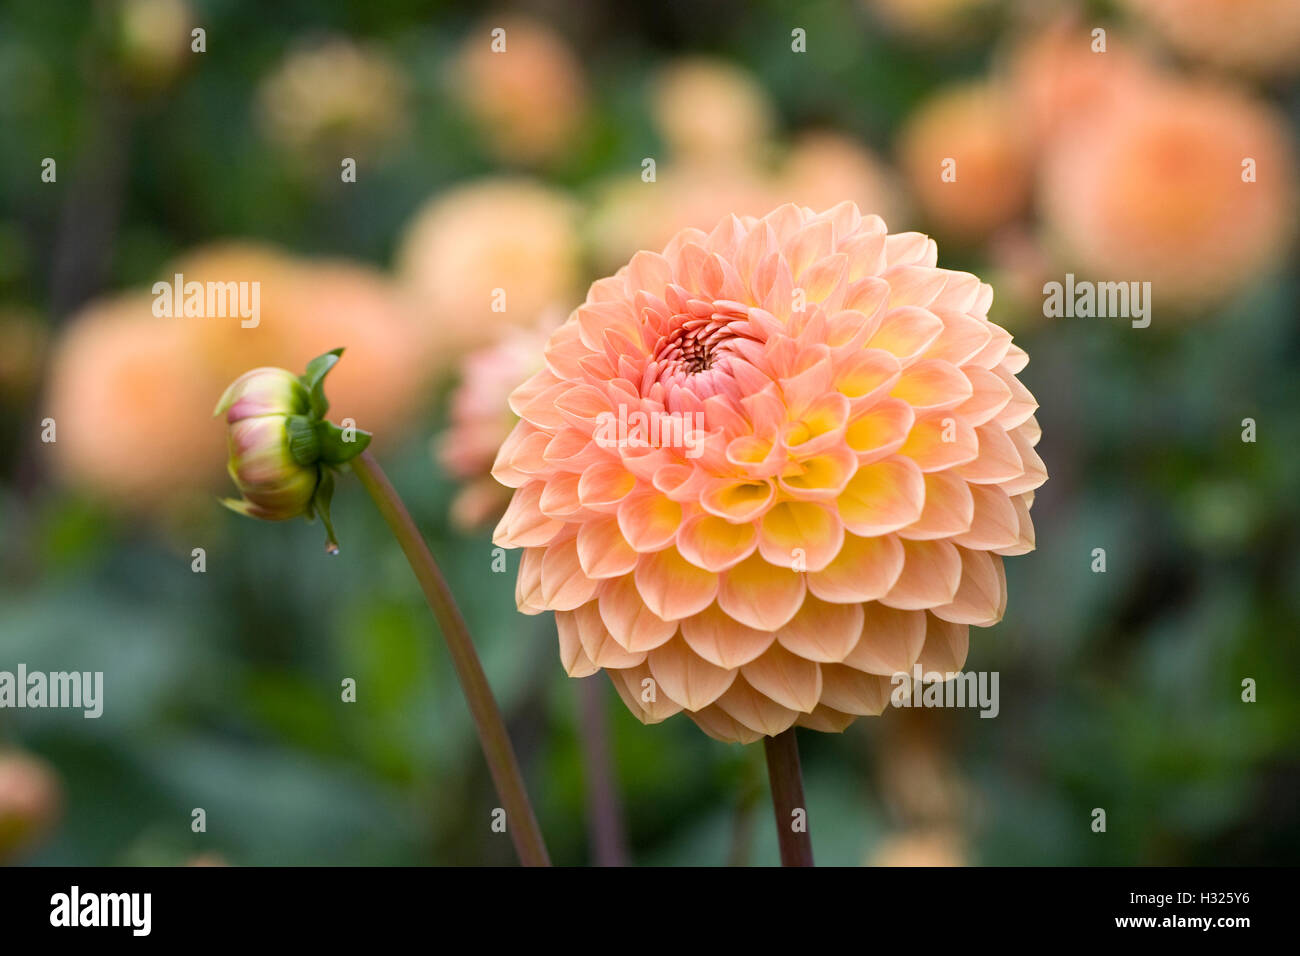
[
  {"x": 769, "y": 468},
  {"x": 1057, "y": 79},
  {"x": 966, "y": 157},
  {"x": 1253, "y": 36},
  {"x": 132, "y": 391},
  {"x": 486, "y": 256},
  {"x": 931, "y": 20},
  {"x": 527, "y": 99},
  {"x": 630, "y": 215},
  {"x": 1158, "y": 191},
  {"x": 132, "y": 403},
  {"x": 825, "y": 167},
  {"x": 310, "y": 306},
  {"x": 711, "y": 110},
  {"x": 931, "y": 847}
]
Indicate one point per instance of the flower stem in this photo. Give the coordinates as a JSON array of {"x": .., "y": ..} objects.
[
  {"x": 786, "y": 778},
  {"x": 500, "y": 755},
  {"x": 604, "y": 812}
]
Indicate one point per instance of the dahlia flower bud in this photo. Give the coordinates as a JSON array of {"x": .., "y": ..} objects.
[
  {"x": 770, "y": 469},
  {"x": 263, "y": 391},
  {"x": 275, "y": 486},
  {"x": 282, "y": 449}
]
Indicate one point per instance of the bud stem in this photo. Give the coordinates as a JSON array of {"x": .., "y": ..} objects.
[
  {"x": 497, "y": 749},
  {"x": 787, "y": 797}
]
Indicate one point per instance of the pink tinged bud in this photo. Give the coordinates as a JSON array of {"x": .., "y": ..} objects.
[
  {"x": 263, "y": 391},
  {"x": 275, "y": 486},
  {"x": 282, "y": 449}
]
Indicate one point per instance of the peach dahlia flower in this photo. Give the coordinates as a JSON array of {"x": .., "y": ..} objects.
[{"x": 769, "y": 468}]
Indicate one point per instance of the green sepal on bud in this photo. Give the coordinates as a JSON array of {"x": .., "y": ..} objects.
[
  {"x": 314, "y": 381},
  {"x": 303, "y": 444},
  {"x": 311, "y": 442},
  {"x": 339, "y": 445},
  {"x": 320, "y": 505},
  {"x": 283, "y": 452}
]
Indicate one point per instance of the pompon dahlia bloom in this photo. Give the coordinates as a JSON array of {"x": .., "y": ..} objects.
[{"x": 769, "y": 468}]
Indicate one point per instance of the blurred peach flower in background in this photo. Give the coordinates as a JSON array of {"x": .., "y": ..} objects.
[
  {"x": 1154, "y": 191},
  {"x": 132, "y": 392},
  {"x": 1253, "y": 36},
  {"x": 527, "y": 101},
  {"x": 31, "y": 802},
  {"x": 486, "y": 256},
  {"x": 930, "y": 20},
  {"x": 130, "y": 399},
  {"x": 481, "y": 418},
  {"x": 824, "y": 167},
  {"x": 709, "y": 110},
  {"x": 332, "y": 99},
  {"x": 723, "y": 158},
  {"x": 1057, "y": 80},
  {"x": 977, "y": 127},
  {"x": 843, "y": 455},
  {"x": 153, "y": 41},
  {"x": 919, "y": 780},
  {"x": 920, "y": 848},
  {"x": 716, "y": 123},
  {"x": 309, "y": 306},
  {"x": 629, "y": 214}
]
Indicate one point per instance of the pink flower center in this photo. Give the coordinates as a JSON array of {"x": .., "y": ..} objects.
[{"x": 695, "y": 344}]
